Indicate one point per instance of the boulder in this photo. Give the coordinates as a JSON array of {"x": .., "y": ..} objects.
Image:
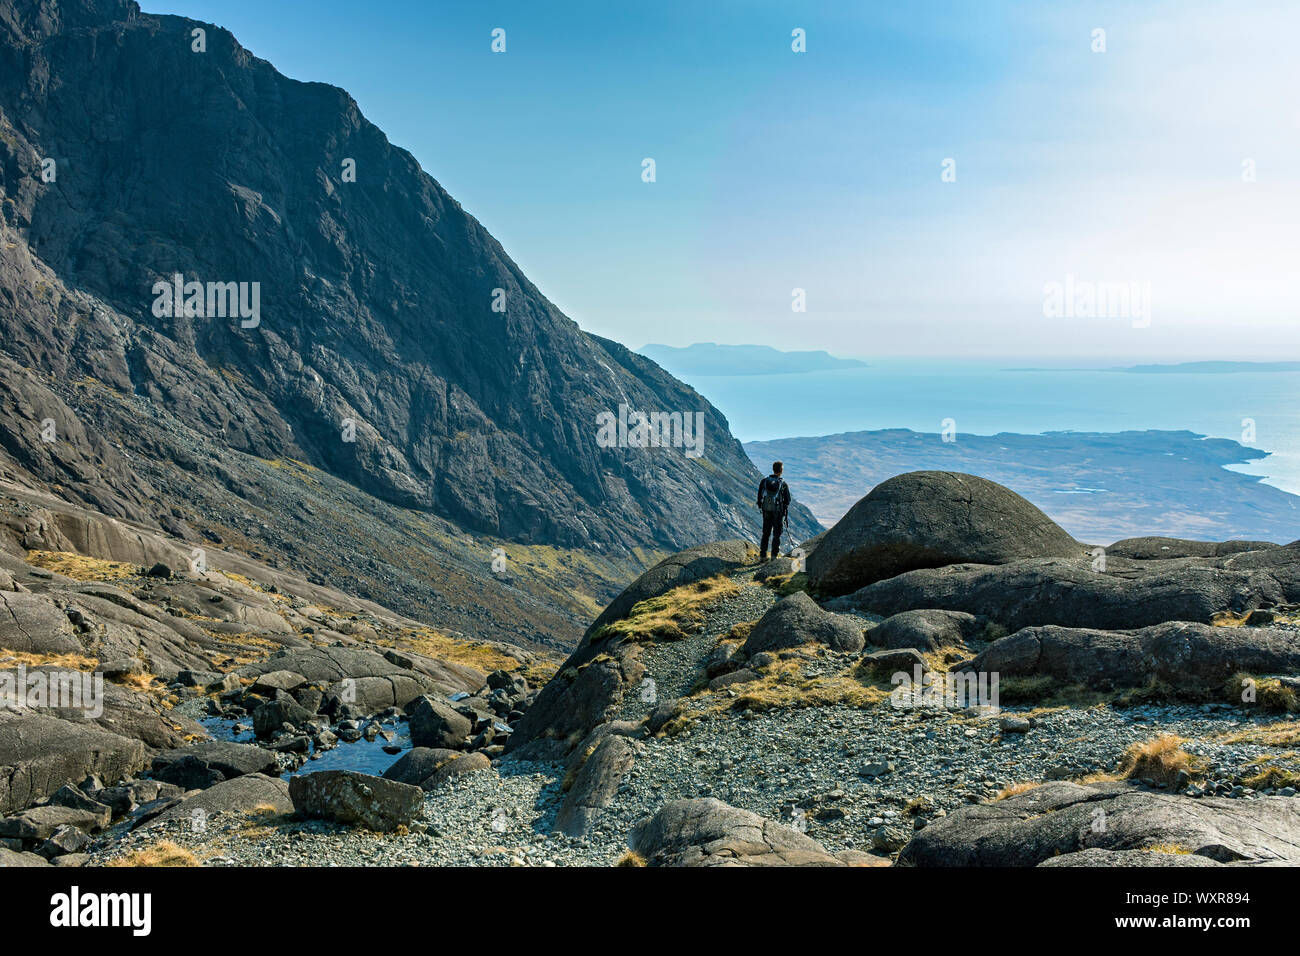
[
  {"x": 594, "y": 786},
  {"x": 927, "y": 519},
  {"x": 132, "y": 715},
  {"x": 1065, "y": 818},
  {"x": 331, "y": 666},
  {"x": 575, "y": 700},
  {"x": 1145, "y": 859},
  {"x": 589, "y": 688},
  {"x": 201, "y": 679},
  {"x": 240, "y": 795},
  {"x": 435, "y": 723},
  {"x": 457, "y": 766},
  {"x": 122, "y": 667},
  {"x": 218, "y": 760},
  {"x": 708, "y": 832},
  {"x": 684, "y": 567},
  {"x": 775, "y": 568},
  {"x": 742, "y": 676},
  {"x": 356, "y": 799},
  {"x": 1154, "y": 548},
  {"x": 18, "y": 858},
  {"x": 429, "y": 767},
  {"x": 64, "y": 840},
  {"x": 370, "y": 695},
  {"x": 797, "y": 620},
  {"x": 70, "y": 795},
  {"x": 34, "y": 624},
  {"x": 40, "y": 754},
  {"x": 1194, "y": 659},
  {"x": 1071, "y": 593},
  {"x": 904, "y": 659},
  {"x": 267, "y": 684},
  {"x": 926, "y": 630},
  {"x": 270, "y": 717},
  {"x": 40, "y": 823}
]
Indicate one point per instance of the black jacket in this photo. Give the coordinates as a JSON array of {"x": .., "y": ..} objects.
[{"x": 770, "y": 482}]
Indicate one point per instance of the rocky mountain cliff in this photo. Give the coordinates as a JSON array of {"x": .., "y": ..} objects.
[{"x": 389, "y": 340}]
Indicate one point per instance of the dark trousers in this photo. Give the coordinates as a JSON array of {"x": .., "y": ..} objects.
[{"x": 771, "y": 526}]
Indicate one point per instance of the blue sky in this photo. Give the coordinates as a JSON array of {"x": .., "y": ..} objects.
[{"x": 822, "y": 170}]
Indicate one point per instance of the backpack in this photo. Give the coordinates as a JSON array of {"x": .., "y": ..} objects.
[{"x": 770, "y": 501}]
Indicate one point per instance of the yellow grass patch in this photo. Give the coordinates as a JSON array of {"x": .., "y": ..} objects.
[
  {"x": 631, "y": 858},
  {"x": 783, "y": 684},
  {"x": 1016, "y": 789},
  {"x": 1159, "y": 759},
  {"x": 1176, "y": 849},
  {"x": 1264, "y": 692},
  {"x": 1227, "y": 619},
  {"x": 68, "y": 662},
  {"x": 1281, "y": 734},
  {"x": 673, "y": 615},
  {"x": 162, "y": 853},
  {"x": 80, "y": 567},
  {"x": 484, "y": 657}
]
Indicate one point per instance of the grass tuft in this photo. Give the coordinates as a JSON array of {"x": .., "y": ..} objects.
[
  {"x": 1268, "y": 692},
  {"x": 1160, "y": 759},
  {"x": 163, "y": 853}
]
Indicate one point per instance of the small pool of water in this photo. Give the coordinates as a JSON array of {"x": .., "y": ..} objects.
[{"x": 364, "y": 756}]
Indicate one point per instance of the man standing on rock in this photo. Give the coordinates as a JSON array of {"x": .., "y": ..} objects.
[{"x": 774, "y": 502}]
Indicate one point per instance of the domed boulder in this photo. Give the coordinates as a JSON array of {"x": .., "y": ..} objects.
[
  {"x": 928, "y": 519},
  {"x": 797, "y": 620},
  {"x": 684, "y": 567},
  {"x": 926, "y": 630}
]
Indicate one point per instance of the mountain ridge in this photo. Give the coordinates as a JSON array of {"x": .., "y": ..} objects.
[{"x": 377, "y": 314}]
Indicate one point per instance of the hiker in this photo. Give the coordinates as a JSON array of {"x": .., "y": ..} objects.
[{"x": 774, "y": 502}]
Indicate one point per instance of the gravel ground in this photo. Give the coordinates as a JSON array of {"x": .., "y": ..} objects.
[{"x": 853, "y": 778}]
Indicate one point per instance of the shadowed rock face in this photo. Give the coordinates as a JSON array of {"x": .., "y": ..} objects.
[
  {"x": 1057, "y": 820},
  {"x": 40, "y": 754},
  {"x": 927, "y": 519},
  {"x": 376, "y": 306},
  {"x": 1189, "y": 658},
  {"x": 1073, "y": 593}
]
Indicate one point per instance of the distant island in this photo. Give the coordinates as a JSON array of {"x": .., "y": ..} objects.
[
  {"x": 709, "y": 358},
  {"x": 1212, "y": 368},
  {"x": 1098, "y": 486},
  {"x": 1181, "y": 368}
]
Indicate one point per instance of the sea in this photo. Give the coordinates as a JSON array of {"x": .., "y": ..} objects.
[{"x": 1260, "y": 409}]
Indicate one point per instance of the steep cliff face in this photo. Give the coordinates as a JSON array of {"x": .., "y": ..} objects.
[
  {"x": 393, "y": 343},
  {"x": 382, "y": 303}
]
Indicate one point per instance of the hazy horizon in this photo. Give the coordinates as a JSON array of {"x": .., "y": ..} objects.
[{"x": 1166, "y": 161}]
